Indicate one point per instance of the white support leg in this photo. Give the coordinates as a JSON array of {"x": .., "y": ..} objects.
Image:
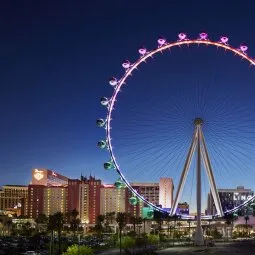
[
  {"x": 209, "y": 172},
  {"x": 199, "y": 239},
  {"x": 184, "y": 173}
]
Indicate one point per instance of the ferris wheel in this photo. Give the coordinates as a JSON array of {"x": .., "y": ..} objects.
[{"x": 198, "y": 143}]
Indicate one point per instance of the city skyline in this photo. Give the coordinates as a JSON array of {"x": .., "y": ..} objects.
[{"x": 53, "y": 179}]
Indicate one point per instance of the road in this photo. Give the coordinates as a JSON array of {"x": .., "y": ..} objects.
[{"x": 241, "y": 247}]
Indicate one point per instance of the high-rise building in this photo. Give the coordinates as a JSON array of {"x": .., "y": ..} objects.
[
  {"x": 45, "y": 200},
  {"x": 46, "y": 193},
  {"x": 229, "y": 199},
  {"x": 73, "y": 195},
  {"x": 48, "y": 177},
  {"x": 112, "y": 199},
  {"x": 150, "y": 191},
  {"x": 35, "y": 201},
  {"x": 85, "y": 203},
  {"x": 166, "y": 188},
  {"x": 84, "y": 196},
  {"x": 54, "y": 200},
  {"x": 12, "y": 195}
]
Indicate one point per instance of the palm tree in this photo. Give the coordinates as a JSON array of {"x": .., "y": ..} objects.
[
  {"x": 179, "y": 224},
  {"x": 56, "y": 222},
  {"x": 110, "y": 216},
  {"x": 122, "y": 221},
  {"x": 51, "y": 228},
  {"x": 209, "y": 226},
  {"x": 73, "y": 220},
  {"x": 175, "y": 217},
  {"x": 189, "y": 222},
  {"x": 99, "y": 224},
  {"x": 246, "y": 218},
  {"x": 144, "y": 221},
  {"x": 9, "y": 224},
  {"x": 1, "y": 226},
  {"x": 168, "y": 219},
  {"x": 139, "y": 221},
  {"x": 133, "y": 221},
  {"x": 229, "y": 219},
  {"x": 26, "y": 228},
  {"x": 42, "y": 219}
]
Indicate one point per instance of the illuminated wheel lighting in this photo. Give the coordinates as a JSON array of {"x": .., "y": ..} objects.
[{"x": 163, "y": 45}]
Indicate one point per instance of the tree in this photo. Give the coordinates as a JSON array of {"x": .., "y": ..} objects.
[
  {"x": 175, "y": 218},
  {"x": 42, "y": 219},
  {"x": 246, "y": 218},
  {"x": 110, "y": 216},
  {"x": 56, "y": 222},
  {"x": 1, "y": 226},
  {"x": 179, "y": 229},
  {"x": 26, "y": 229},
  {"x": 139, "y": 221},
  {"x": 128, "y": 242},
  {"x": 99, "y": 224},
  {"x": 229, "y": 220},
  {"x": 153, "y": 239},
  {"x": 9, "y": 224},
  {"x": 122, "y": 221},
  {"x": 158, "y": 217},
  {"x": 79, "y": 250},
  {"x": 216, "y": 234},
  {"x": 168, "y": 219},
  {"x": 133, "y": 221},
  {"x": 189, "y": 222},
  {"x": 73, "y": 220}
]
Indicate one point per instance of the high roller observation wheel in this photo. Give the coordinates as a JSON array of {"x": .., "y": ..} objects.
[{"x": 129, "y": 68}]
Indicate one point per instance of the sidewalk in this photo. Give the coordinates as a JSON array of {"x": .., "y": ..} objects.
[{"x": 113, "y": 251}]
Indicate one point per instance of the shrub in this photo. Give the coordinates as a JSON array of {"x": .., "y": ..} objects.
[
  {"x": 79, "y": 250},
  {"x": 127, "y": 242},
  {"x": 153, "y": 239}
]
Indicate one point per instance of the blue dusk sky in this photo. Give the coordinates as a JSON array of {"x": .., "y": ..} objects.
[{"x": 56, "y": 58}]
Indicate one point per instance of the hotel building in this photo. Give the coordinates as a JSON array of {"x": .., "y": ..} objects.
[
  {"x": 229, "y": 199},
  {"x": 11, "y": 196},
  {"x": 112, "y": 199}
]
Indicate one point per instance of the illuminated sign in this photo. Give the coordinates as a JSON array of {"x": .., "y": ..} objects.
[{"x": 38, "y": 175}]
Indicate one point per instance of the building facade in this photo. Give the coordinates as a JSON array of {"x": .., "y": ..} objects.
[
  {"x": 166, "y": 189},
  {"x": 150, "y": 191},
  {"x": 35, "y": 201},
  {"x": 48, "y": 177},
  {"x": 229, "y": 199},
  {"x": 54, "y": 200},
  {"x": 11, "y": 196},
  {"x": 84, "y": 196},
  {"x": 112, "y": 199},
  {"x": 84, "y": 202}
]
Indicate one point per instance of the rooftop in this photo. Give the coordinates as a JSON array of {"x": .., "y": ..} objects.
[{"x": 11, "y": 185}]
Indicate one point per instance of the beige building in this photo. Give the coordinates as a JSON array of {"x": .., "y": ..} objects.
[
  {"x": 54, "y": 200},
  {"x": 11, "y": 196},
  {"x": 166, "y": 189},
  {"x": 112, "y": 199}
]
